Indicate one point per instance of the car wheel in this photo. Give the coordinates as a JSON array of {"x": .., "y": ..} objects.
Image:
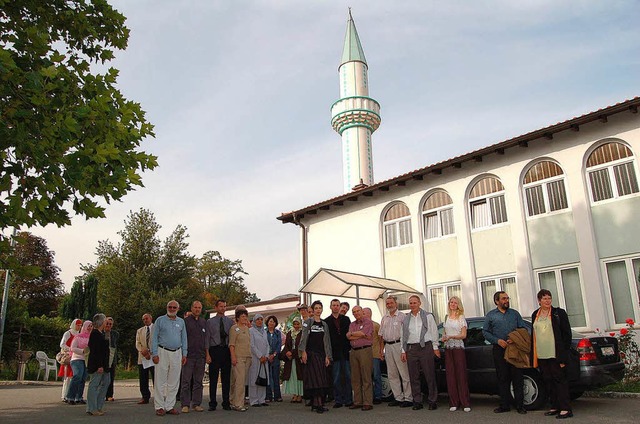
[
  {"x": 387, "y": 394},
  {"x": 205, "y": 377},
  {"x": 535, "y": 394}
]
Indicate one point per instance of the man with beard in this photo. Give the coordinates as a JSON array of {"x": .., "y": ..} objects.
[
  {"x": 497, "y": 326},
  {"x": 169, "y": 351}
]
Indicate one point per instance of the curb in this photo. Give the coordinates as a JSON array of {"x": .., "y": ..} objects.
[{"x": 612, "y": 395}]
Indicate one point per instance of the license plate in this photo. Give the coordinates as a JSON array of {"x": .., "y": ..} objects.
[{"x": 607, "y": 351}]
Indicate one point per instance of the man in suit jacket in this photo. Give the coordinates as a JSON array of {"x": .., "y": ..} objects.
[{"x": 143, "y": 345}]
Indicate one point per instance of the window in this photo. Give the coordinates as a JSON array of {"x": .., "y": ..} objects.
[
  {"x": 544, "y": 188},
  {"x": 624, "y": 287},
  {"x": 439, "y": 298},
  {"x": 486, "y": 202},
  {"x": 397, "y": 226},
  {"x": 489, "y": 286},
  {"x": 565, "y": 288},
  {"x": 437, "y": 215},
  {"x": 611, "y": 172}
]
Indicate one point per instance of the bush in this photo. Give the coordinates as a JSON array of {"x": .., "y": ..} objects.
[{"x": 629, "y": 352}]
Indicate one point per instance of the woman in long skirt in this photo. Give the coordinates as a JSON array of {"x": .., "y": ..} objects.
[
  {"x": 315, "y": 351},
  {"x": 259, "y": 355},
  {"x": 293, "y": 374},
  {"x": 455, "y": 331}
]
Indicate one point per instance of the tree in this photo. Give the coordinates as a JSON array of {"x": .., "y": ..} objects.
[
  {"x": 36, "y": 280},
  {"x": 82, "y": 301},
  {"x": 68, "y": 138},
  {"x": 223, "y": 278}
]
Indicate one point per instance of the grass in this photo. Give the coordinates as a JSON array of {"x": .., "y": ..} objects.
[{"x": 633, "y": 387}]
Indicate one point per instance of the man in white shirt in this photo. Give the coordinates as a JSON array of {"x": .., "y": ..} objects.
[
  {"x": 143, "y": 345},
  {"x": 419, "y": 345},
  {"x": 391, "y": 351}
]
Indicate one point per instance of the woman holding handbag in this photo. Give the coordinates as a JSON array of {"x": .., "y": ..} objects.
[
  {"x": 65, "y": 347},
  {"x": 292, "y": 374},
  {"x": 258, "y": 374}
]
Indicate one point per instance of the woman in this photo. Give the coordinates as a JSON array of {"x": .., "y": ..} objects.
[
  {"x": 455, "y": 331},
  {"x": 240, "y": 349},
  {"x": 315, "y": 351},
  {"x": 293, "y": 373},
  {"x": 65, "y": 344},
  {"x": 97, "y": 367},
  {"x": 274, "y": 337},
  {"x": 551, "y": 346},
  {"x": 79, "y": 348},
  {"x": 259, "y": 359}
]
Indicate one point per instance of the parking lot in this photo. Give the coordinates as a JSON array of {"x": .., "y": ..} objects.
[{"x": 41, "y": 404}]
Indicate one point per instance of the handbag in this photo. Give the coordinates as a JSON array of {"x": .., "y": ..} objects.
[
  {"x": 262, "y": 381},
  {"x": 63, "y": 357}
]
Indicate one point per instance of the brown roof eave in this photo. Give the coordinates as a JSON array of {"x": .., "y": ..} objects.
[{"x": 456, "y": 162}]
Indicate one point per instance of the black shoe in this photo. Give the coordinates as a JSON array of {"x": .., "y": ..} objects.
[
  {"x": 264, "y": 404},
  {"x": 406, "y": 404},
  {"x": 321, "y": 409},
  {"x": 563, "y": 416},
  {"x": 337, "y": 405},
  {"x": 417, "y": 406},
  {"x": 433, "y": 406},
  {"x": 394, "y": 403},
  {"x": 500, "y": 410},
  {"x": 377, "y": 401},
  {"x": 521, "y": 410},
  {"x": 551, "y": 413},
  {"x": 256, "y": 405},
  {"x": 212, "y": 408},
  {"x": 71, "y": 402},
  {"x": 81, "y": 402},
  {"x": 348, "y": 405},
  {"x": 307, "y": 403},
  {"x": 225, "y": 407}
]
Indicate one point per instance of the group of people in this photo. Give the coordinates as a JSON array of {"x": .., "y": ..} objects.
[
  {"x": 98, "y": 338},
  {"x": 325, "y": 359}
]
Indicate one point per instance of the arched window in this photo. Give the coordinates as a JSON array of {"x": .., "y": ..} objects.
[
  {"x": 611, "y": 172},
  {"x": 437, "y": 215},
  {"x": 544, "y": 188},
  {"x": 397, "y": 226},
  {"x": 486, "y": 203}
]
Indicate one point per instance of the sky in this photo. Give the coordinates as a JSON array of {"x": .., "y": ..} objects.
[{"x": 240, "y": 94}]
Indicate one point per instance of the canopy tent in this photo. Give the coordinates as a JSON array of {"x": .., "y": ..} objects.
[{"x": 329, "y": 282}]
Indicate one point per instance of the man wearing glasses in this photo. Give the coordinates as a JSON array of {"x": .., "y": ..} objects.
[{"x": 169, "y": 353}]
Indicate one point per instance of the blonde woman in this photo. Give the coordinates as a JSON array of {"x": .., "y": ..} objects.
[{"x": 455, "y": 331}]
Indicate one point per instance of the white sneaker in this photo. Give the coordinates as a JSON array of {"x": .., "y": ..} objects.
[
  {"x": 453, "y": 408},
  {"x": 467, "y": 409}
]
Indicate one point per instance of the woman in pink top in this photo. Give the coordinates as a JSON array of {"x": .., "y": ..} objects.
[{"x": 79, "y": 349}]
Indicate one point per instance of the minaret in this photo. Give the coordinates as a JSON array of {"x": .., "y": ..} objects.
[{"x": 355, "y": 116}]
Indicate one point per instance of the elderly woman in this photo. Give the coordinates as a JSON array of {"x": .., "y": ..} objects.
[
  {"x": 65, "y": 344},
  {"x": 551, "y": 345},
  {"x": 292, "y": 374},
  {"x": 315, "y": 352},
  {"x": 259, "y": 359},
  {"x": 274, "y": 337},
  {"x": 79, "y": 348},
  {"x": 240, "y": 350},
  {"x": 97, "y": 367}
]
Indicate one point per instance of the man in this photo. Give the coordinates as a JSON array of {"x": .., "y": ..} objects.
[
  {"x": 340, "y": 346},
  {"x": 143, "y": 346},
  {"x": 344, "y": 308},
  {"x": 377, "y": 357},
  {"x": 360, "y": 336},
  {"x": 193, "y": 369},
  {"x": 303, "y": 310},
  {"x": 219, "y": 356},
  {"x": 112, "y": 337},
  {"x": 169, "y": 350},
  {"x": 391, "y": 352},
  {"x": 497, "y": 326},
  {"x": 419, "y": 345}
]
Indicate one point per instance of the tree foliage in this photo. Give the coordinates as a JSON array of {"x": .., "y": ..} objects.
[
  {"x": 224, "y": 278},
  {"x": 36, "y": 279},
  {"x": 69, "y": 139},
  {"x": 82, "y": 301}
]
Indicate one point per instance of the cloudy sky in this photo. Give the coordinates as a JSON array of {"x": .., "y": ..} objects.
[{"x": 239, "y": 92}]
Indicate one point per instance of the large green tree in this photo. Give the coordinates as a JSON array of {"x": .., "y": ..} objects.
[
  {"x": 224, "y": 278},
  {"x": 69, "y": 139},
  {"x": 82, "y": 301}
]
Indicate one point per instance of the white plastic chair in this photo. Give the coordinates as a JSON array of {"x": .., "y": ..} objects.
[{"x": 46, "y": 364}]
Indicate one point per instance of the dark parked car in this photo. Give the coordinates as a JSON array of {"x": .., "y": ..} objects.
[{"x": 598, "y": 357}]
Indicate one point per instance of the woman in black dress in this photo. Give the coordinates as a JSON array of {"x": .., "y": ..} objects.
[{"x": 315, "y": 351}]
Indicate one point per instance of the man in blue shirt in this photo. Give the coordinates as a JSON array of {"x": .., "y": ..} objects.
[
  {"x": 498, "y": 324},
  {"x": 169, "y": 352}
]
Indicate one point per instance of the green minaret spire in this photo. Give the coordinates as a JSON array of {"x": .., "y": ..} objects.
[{"x": 352, "y": 50}]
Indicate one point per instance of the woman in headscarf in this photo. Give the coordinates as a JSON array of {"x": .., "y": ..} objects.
[
  {"x": 274, "y": 337},
  {"x": 79, "y": 348},
  {"x": 292, "y": 374},
  {"x": 315, "y": 352},
  {"x": 65, "y": 344},
  {"x": 259, "y": 359}
]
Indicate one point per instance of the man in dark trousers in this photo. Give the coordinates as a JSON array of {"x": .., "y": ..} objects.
[
  {"x": 219, "y": 356},
  {"x": 143, "y": 345},
  {"x": 193, "y": 369},
  {"x": 340, "y": 346}
]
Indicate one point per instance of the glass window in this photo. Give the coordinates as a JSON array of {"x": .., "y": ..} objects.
[
  {"x": 438, "y": 215},
  {"x": 566, "y": 291},
  {"x": 487, "y": 204},
  {"x": 488, "y": 287},
  {"x": 617, "y": 274},
  {"x": 544, "y": 188},
  {"x": 612, "y": 172},
  {"x": 439, "y": 298},
  {"x": 397, "y": 226}
]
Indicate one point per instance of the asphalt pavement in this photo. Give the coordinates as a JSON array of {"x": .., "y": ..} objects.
[{"x": 40, "y": 403}]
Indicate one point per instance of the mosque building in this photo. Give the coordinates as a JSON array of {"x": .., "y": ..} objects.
[{"x": 553, "y": 208}]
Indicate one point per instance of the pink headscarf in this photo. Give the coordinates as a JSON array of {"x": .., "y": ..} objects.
[{"x": 83, "y": 336}]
